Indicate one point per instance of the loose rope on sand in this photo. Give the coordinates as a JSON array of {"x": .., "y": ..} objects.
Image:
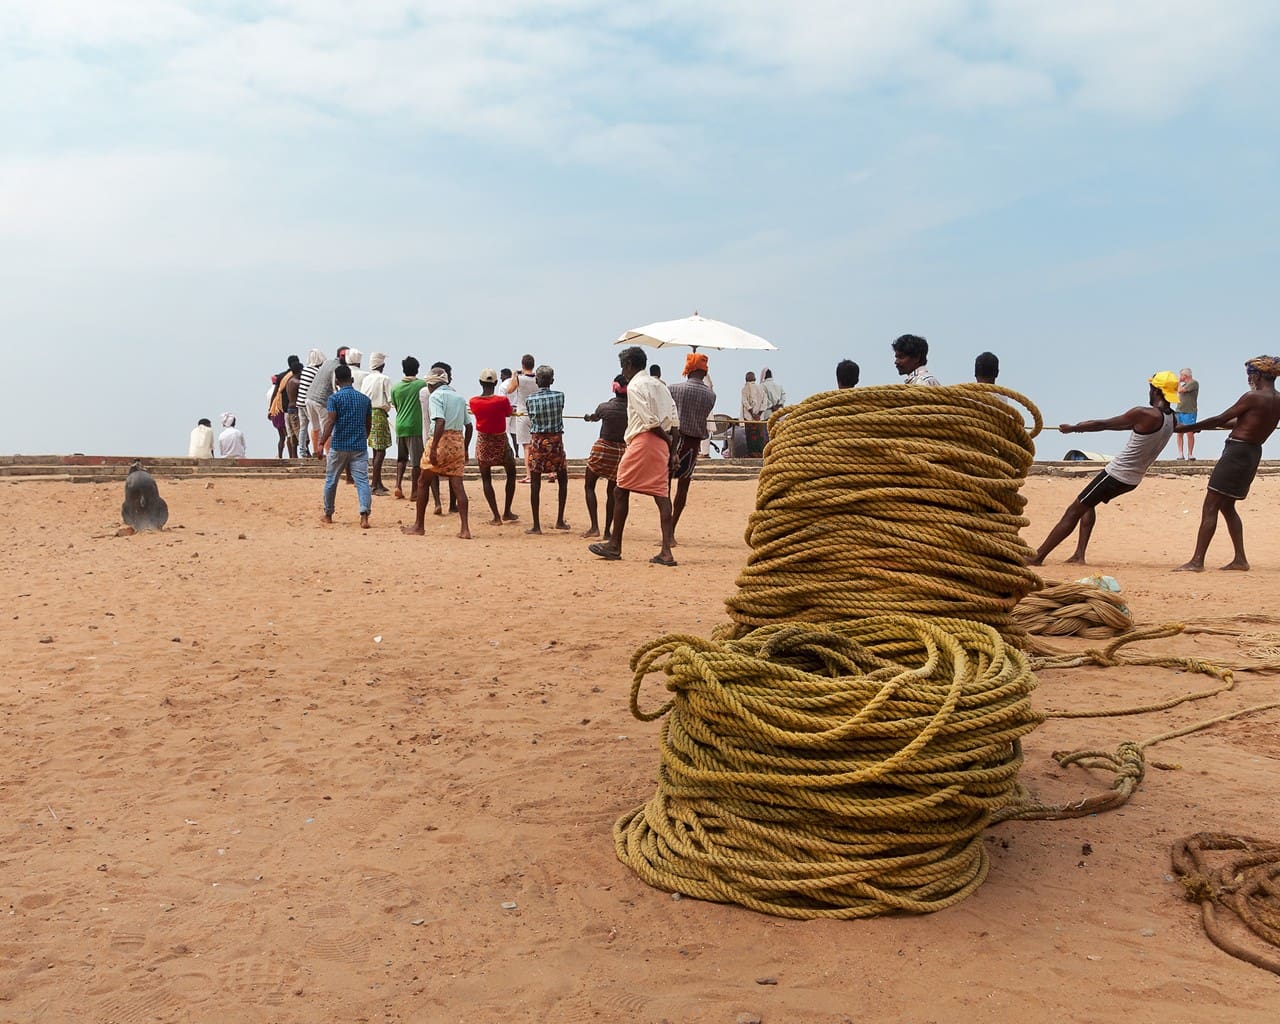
[
  {"x": 842, "y": 770},
  {"x": 1247, "y": 885},
  {"x": 872, "y": 501}
]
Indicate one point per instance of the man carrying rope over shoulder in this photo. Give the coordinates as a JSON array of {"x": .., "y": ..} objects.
[
  {"x": 1150, "y": 428},
  {"x": 1252, "y": 420}
]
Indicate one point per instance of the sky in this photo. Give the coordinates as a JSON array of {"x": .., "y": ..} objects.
[{"x": 191, "y": 191}]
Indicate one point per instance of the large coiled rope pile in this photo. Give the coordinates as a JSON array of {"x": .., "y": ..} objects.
[
  {"x": 834, "y": 770},
  {"x": 890, "y": 500},
  {"x": 846, "y": 767}
]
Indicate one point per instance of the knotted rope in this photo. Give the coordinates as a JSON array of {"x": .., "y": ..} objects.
[
  {"x": 840, "y": 770},
  {"x": 890, "y": 500}
]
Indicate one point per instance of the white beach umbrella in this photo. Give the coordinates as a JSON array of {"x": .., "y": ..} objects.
[{"x": 695, "y": 332}]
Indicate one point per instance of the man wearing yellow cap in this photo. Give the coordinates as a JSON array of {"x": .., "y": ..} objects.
[
  {"x": 1253, "y": 419},
  {"x": 1150, "y": 427}
]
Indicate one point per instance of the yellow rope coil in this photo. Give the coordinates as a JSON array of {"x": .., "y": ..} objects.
[
  {"x": 1073, "y": 609},
  {"x": 842, "y": 770},
  {"x": 890, "y": 500}
]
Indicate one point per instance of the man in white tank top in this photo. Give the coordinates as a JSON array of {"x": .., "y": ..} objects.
[{"x": 1150, "y": 428}]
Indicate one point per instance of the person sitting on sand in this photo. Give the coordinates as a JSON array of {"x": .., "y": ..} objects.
[
  {"x": 650, "y": 456},
  {"x": 200, "y": 446},
  {"x": 447, "y": 454},
  {"x": 1150, "y": 427},
  {"x": 492, "y": 412},
  {"x": 605, "y": 455},
  {"x": 1253, "y": 419},
  {"x": 231, "y": 444}
]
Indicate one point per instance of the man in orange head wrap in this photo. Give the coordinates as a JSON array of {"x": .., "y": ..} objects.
[{"x": 694, "y": 400}]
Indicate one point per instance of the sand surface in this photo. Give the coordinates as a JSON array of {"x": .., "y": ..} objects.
[{"x": 259, "y": 770}]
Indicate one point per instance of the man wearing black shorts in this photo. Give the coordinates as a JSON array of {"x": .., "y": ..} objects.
[
  {"x": 1254, "y": 418},
  {"x": 1150, "y": 428}
]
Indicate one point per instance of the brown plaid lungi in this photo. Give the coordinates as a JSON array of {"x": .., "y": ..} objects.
[
  {"x": 604, "y": 458},
  {"x": 379, "y": 431},
  {"x": 687, "y": 454},
  {"x": 546, "y": 453},
  {"x": 451, "y": 455},
  {"x": 492, "y": 450}
]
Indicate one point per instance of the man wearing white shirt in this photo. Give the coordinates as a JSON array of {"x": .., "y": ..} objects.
[
  {"x": 646, "y": 465},
  {"x": 231, "y": 440},
  {"x": 376, "y": 386},
  {"x": 201, "y": 443}
]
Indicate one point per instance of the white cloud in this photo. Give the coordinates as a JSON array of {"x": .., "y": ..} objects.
[{"x": 557, "y": 76}]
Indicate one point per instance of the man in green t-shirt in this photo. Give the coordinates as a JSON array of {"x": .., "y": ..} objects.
[{"x": 405, "y": 400}]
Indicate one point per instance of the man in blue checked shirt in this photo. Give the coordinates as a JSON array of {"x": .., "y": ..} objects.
[
  {"x": 545, "y": 409},
  {"x": 348, "y": 417}
]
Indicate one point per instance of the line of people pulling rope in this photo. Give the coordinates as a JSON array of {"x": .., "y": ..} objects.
[{"x": 652, "y": 435}]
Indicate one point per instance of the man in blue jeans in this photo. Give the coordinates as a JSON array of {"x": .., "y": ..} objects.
[{"x": 347, "y": 419}]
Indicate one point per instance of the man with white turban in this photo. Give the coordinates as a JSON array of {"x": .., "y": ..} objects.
[
  {"x": 231, "y": 440},
  {"x": 376, "y": 386}
]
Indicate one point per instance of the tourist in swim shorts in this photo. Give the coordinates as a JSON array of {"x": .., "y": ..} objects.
[
  {"x": 1254, "y": 416},
  {"x": 1188, "y": 406},
  {"x": 650, "y": 456},
  {"x": 1150, "y": 427}
]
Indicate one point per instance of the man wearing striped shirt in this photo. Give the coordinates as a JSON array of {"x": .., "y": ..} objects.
[{"x": 545, "y": 409}]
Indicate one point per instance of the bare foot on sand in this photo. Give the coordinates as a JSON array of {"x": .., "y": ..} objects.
[
  {"x": 1191, "y": 567},
  {"x": 562, "y": 525},
  {"x": 327, "y": 520},
  {"x": 510, "y": 517},
  {"x": 416, "y": 531},
  {"x": 593, "y": 532},
  {"x": 1035, "y": 560},
  {"x": 495, "y": 521},
  {"x": 534, "y": 529},
  {"x": 1236, "y": 565},
  {"x": 399, "y": 494},
  {"x": 364, "y": 521},
  {"x": 438, "y": 511},
  {"x": 1075, "y": 560},
  {"x": 464, "y": 534}
]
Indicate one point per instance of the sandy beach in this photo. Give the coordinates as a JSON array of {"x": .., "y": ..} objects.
[{"x": 261, "y": 770}]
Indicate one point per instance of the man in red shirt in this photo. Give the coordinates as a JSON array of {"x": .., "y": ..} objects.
[{"x": 492, "y": 448}]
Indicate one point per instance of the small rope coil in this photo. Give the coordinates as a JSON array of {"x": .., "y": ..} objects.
[
  {"x": 841, "y": 770},
  {"x": 1072, "y": 609},
  {"x": 891, "y": 500}
]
